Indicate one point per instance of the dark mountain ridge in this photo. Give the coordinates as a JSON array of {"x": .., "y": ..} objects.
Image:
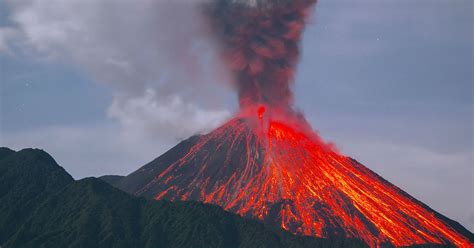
[{"x": 42, "y": 206}]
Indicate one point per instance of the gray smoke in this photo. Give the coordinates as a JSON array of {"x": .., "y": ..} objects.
[
  {"x": 156, "y": 56},
  {"x": 260, "y": 42}
]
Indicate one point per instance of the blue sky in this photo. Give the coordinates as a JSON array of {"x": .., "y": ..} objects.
[{"x": 106, "y": 86}]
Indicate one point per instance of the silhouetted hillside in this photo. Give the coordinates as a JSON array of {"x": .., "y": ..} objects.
[
  {"x": 27, "y": 178},
  {"x": 42, "y": 206},
  {"x": 111, "y": 179}
]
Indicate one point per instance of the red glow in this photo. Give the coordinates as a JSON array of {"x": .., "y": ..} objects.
[
  {"x": 287, "y": 176},
  {"x": 261, "y": 111}
]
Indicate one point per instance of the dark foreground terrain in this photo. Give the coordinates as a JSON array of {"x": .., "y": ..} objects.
[{"x": 41, "y": 205}]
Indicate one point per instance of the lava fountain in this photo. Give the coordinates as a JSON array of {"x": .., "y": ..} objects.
[{"x": 267, "y": 163}]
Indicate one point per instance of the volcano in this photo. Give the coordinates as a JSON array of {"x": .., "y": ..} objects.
[
  {"x": 267, "y": 163},
  {"x": 277, "y": 170}
]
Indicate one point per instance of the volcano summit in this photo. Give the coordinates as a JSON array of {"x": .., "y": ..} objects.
[
  {"x": 283, "y": 174},
  {"x": 267, "y": 163}
]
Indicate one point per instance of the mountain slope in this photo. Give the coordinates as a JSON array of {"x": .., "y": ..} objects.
[
  {"x": 111, "y": 179},
  {"x": 4, "y": 152},
  {"x": 284, "y": 176},
  {"x": 90, "y": 213},
  {"x": 27, "y": 177}
]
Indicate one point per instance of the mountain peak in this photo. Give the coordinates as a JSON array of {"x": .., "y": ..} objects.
[
  {"x": 37, "y": 154},
  {"x": 26, "y": 178},
  {"x": 5, "y": 152},
  {"x": 285, "y": 176},
  {"x": 35, "y": 163}
]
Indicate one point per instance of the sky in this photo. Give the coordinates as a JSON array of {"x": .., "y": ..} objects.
[{"x": 106, "y": 86}]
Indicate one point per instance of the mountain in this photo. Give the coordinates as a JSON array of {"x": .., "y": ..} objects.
[
  {"x": 42, "y": 206},
  {"x": 284, "y": 175},
  {"x": 111, "y": 179},
  {"x": 27, "y": 177}
]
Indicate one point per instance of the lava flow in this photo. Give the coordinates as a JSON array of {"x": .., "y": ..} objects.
[
  {"x": 267, "y": 163},
  {"x": 281, "y": 173}
]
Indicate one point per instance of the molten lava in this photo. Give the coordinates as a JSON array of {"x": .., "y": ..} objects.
[
  {"x": 261, "y": 111},
  {"x": 285, "y": 175}
]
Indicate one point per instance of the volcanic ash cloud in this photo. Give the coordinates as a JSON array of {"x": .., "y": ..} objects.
[{"x": 260, "y": 43}]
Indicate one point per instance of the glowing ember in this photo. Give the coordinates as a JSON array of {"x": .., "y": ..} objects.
[{"x": 261, "y": 111}]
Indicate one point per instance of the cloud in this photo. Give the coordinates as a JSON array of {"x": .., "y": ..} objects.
[
  {"x": 7, "y": 34},
  {"x": 141, "y": 116},
  {"x": 89, "y": 150},
  {"x": 155, "y": 55}
]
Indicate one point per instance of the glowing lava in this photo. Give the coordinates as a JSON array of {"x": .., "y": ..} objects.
[
  {"x": 285, "y": 175},
  {"x": 261, "y": 111}
]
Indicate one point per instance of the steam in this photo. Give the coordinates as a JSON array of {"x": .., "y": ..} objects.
[
  {"x": 168, "y": 48},
  {"x": 135, "y": 47},
  {"x": 260, "y": 42}
]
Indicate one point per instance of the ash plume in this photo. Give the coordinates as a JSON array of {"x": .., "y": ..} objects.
[{"x": 260, "y": 42}]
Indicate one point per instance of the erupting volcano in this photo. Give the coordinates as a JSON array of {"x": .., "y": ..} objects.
[
  {"x": 267, "y": 163},
  {"x": 277, "y": 170}
]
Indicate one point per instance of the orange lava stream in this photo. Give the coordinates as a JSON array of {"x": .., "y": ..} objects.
[
  {"x": 317, "y": 191},
  {"x": 308, "y": 170}
]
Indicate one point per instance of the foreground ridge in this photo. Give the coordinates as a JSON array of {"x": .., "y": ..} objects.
[{"x": 43, "y": 206}]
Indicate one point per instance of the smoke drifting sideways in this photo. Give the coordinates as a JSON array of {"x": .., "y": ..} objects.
[
  {"x": 155, "y": 56},
  {"x": 260, "y": 43},
  {"x": 159, "y": 57}
]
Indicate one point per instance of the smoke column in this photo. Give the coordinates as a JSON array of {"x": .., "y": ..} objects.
[{"x": 260, "y": 42}]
